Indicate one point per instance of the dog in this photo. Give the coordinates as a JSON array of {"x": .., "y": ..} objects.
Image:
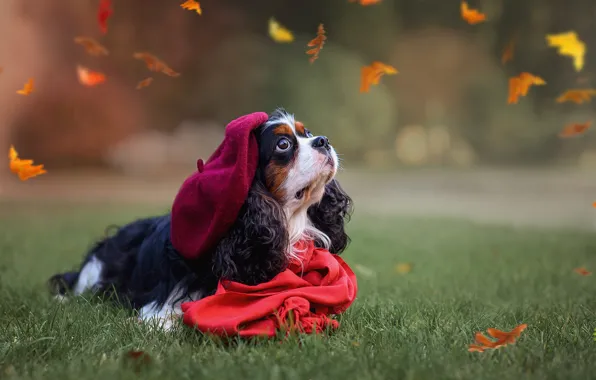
[{"x": 294, "y": 195}]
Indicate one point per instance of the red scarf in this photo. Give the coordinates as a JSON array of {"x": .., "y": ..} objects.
[{"x": 301, "y": 298}]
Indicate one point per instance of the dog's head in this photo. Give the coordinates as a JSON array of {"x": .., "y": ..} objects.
[{"x": 294, "y": 196}]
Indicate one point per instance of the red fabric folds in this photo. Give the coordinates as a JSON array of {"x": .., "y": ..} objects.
[{"x": 301, "y": 298}]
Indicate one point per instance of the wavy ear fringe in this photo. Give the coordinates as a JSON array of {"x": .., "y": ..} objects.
[
  {"x": 330, "y": 216},
  {"x": 253, "y": 250}
]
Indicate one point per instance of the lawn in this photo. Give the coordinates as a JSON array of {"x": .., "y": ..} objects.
[{"x": 465, "y": 278}]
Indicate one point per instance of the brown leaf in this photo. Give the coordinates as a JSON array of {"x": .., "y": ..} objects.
[
  {"x": 575, "y": 129},
  {"x": 317, "y": 44},
  {"x": 92, "y": 47},
  {"x": 144, "y": 83}
]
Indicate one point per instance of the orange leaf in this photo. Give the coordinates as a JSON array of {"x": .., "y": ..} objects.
[
  {"x": 317, "y": 43},
  {"x": 520, "y": 85},
  {"x": 503, "y": 338},
  {"x": 103, "y": 14},
  {"x": 23, "y": 168},
  {"x": 90, "y": 78},
  {"x": 27, "y": 88},
  {"x": 192, "y": 5},
  {"x": 138, "y": 359},
  {"x": 365, "y": 2},
  {"x": 578, "y": 96},
  {"x": 475, "y": 348},
  {"x": 372, "y": 74},
  {"x": 471, "y": 16},
  {"x": 144, "y": 83},
  {"x": 508, "y": 52},
  {"x": 506, "y": 337},
  {"x": 575, "y": 129},
  {"x": 582, "y": 271},
  {"x": 155, "y": 64},
  {"x": 91, "y": 46}
]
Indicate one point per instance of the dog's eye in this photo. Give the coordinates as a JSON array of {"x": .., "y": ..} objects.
[
  {"x": 283, "y": 144},
  {"x": 307, "y": 133}
]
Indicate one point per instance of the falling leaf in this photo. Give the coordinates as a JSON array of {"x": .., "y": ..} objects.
[
  {"x": 570, "y": 45},
  {"x": 155, "y": 64},
  {"x": 578, "y": 96},
  {"x": 23, "y": 168},
  {"x": 364, "y": 270},
  {"x": 372, "y": 74},
  {"x": 365, "y": 2},
  {"x": 508, "y": 52},
  {"x": 520, "y": 85},
  {"x": 582, "y": 271},
  {"x": 27, "y": 88},
  {"x": 90, "y": 78},
  {"x": 91, "y": 46},
  {"x": 503, "y": 338},
  {"x": 575, "y": 129},
  {"x": 403, "y": 268},
  {"x": 144, "y": 83},
  {"x": 103, "y": 14},
  {"x": 316, "y": 44},
  {"x": 279, "y": 33},
  {"x": 471, "y": 16},
  {"x": 192, "y": 5}
]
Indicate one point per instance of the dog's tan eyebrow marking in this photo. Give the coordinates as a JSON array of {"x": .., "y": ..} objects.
[
  {"x": 300, "y": 128},
  {"x": 283, "y": 129}
]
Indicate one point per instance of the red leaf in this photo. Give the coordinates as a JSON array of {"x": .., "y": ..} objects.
[{"x": 103, "y": 14}]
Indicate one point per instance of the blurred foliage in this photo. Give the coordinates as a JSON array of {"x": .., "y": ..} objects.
[{"x": 231, "y": 67}]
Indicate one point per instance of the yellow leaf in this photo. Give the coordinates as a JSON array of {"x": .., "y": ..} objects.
[
  {"x": 403, "y": 268},
  {"x": 279, "y": 33},
  {"x": 570, "y": 45}
]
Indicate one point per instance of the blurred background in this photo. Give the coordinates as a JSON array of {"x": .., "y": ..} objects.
[{"x": 438, "y": 138}]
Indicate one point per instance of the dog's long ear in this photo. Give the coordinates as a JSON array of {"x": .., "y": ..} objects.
[
  {"x": 330, "y": 216},
  {"x": 254, "y": 250}
]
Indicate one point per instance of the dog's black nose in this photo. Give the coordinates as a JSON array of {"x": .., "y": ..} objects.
[{"x": 320, "y": 142}]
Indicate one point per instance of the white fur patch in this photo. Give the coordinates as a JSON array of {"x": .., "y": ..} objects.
[
  {"x": 89, "y": 276},
  {"x": 167, "y": 316}
]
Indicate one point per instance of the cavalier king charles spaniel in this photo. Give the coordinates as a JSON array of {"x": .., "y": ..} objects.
[{"x": 293, "y": 196}]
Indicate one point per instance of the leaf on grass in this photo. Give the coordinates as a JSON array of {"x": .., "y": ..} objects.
[
  {"x": 508, "y": 52},
  {"x": 192, "y": 5},
  {"x": 582, "y": 271},
  {"x": 27, "y": 88},
  {"x": 155, "y": 64},
  {"x": 279, "y": 33},
  {"x": 575, "y": 129},
  {"x": 520, "y": 85},
  {"x": 144, "y": 83},
  {"x": 316, "y": 44},
  {"x": 103, "y": 14},
  {"x": 570, "y": 45},
  {"x": 578, "y": 96},
  {"x": 23, "y": 168},
  {"x": 90, "y": 78},
  {"x": 372, "y": 74},
  {"x": 503, "y": 338},
  {"x": 138, "y": 359},
  {"x": 92, "y": 47},
  {"x": 365, "y": 2},
  {"x": 403, "y": 268},
  {"x": 471, "y": 16},
  {"x": 365, "y": 271}
]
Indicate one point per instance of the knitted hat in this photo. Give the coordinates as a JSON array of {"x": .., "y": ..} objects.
[{"x": 209, "y": 201}]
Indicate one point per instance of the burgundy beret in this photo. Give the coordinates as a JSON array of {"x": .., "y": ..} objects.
[{"x": 210, "y": 200}]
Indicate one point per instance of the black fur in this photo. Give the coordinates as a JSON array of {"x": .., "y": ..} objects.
[
  {"x": 253, "y": 251},
  {"x": 331, "y": 214}
]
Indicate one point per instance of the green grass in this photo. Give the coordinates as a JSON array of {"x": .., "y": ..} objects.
[{"x": 465, "y": 278}]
